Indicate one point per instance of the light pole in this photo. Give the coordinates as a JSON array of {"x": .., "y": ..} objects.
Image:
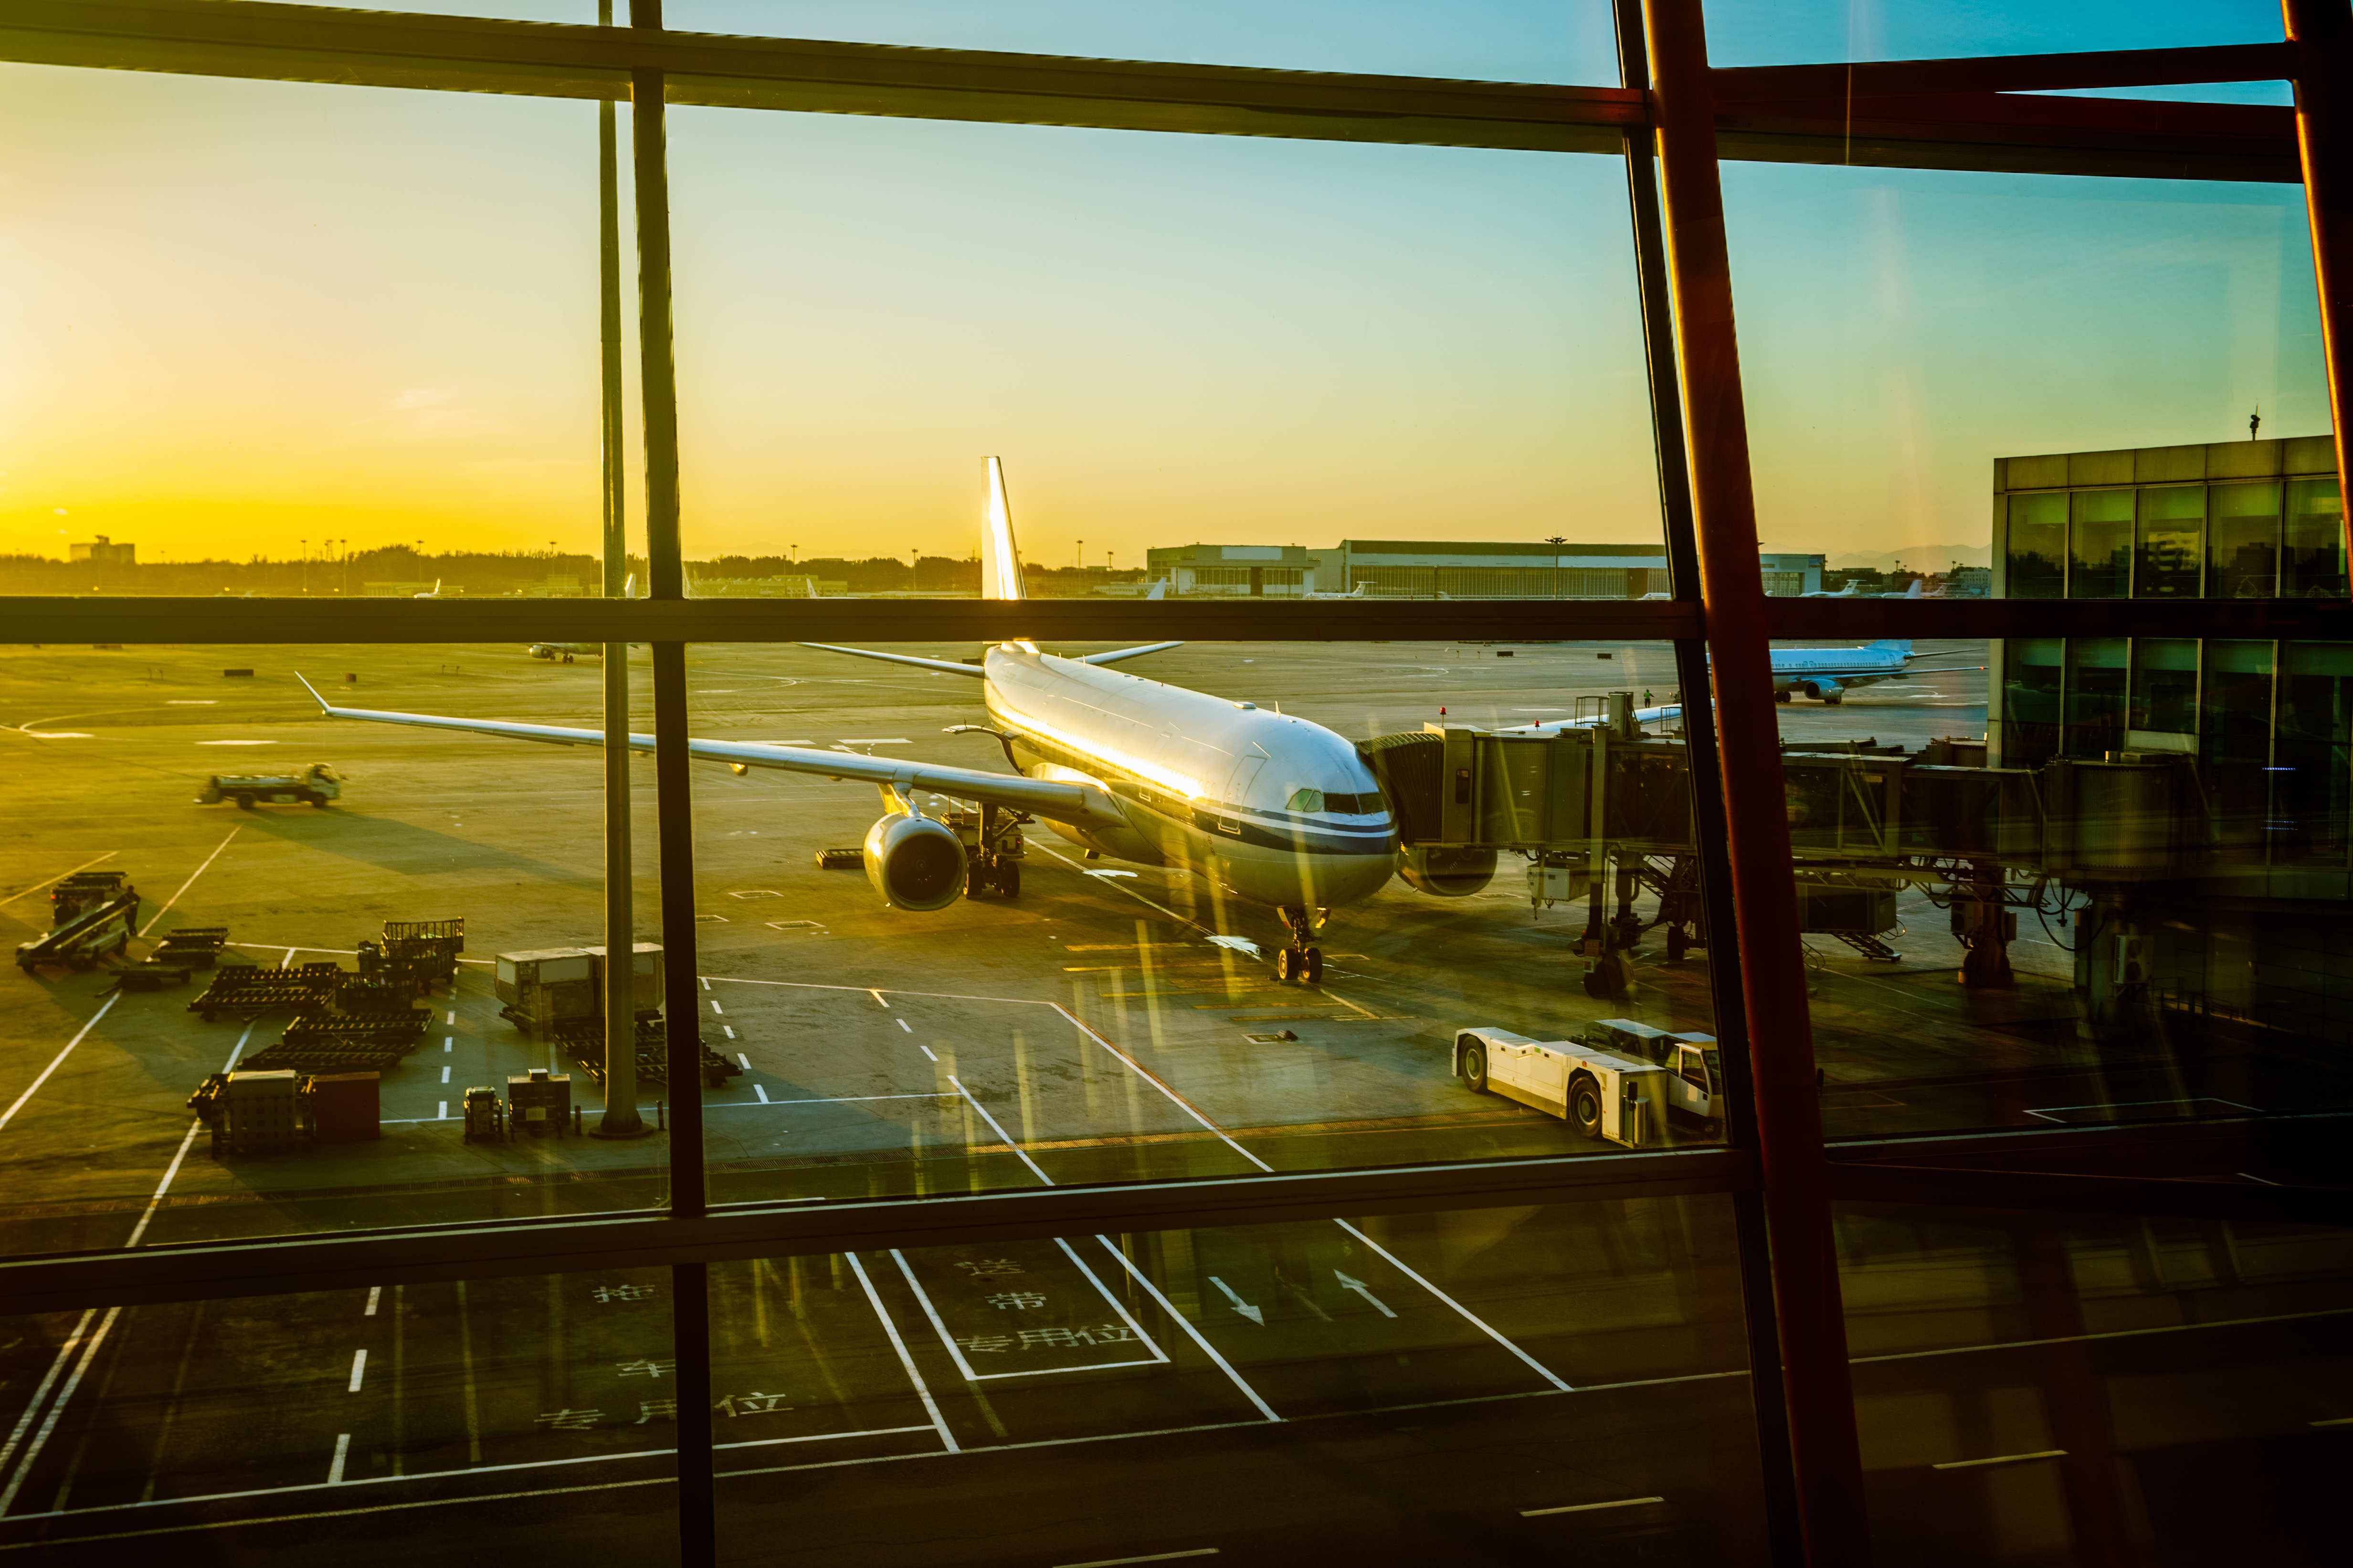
[
  {"x": 1556, "y": 542},
  {"x": 306, "y": 563}
]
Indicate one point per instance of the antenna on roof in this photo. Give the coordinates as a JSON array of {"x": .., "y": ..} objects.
[{"x": 2254, "y": 421}]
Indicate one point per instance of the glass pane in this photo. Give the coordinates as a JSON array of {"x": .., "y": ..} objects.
[
  {"x": 1262, "y": 358},
  {"x": 1494, "y": 40},
  {"x": 2172, "y": 528},
  {"x": 2036, "y": 1389},
  {"x": 1593, "y": 1354},
  {"x": 2242, "y": 560},
  {"x": 1917, "y": 345},
  {"x": 283, "y": 973},
  {"x": 1759, "y": 32},
  {"x": 247, "y": 319},
  {"x": 375, "y": 1424},
  {"x": 952, "y": 998}
]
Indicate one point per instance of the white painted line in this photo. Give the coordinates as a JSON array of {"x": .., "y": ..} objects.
[
  {"x": 1155, "y": 1557},
  {"x": 5, "y": 1115},
  {"x": 191, "y": 882},
  {"x": 762, "y": 1090},
  {"x": 1361, "y": 1289},
  {"x": 1191, "y": 1332},
  {"x": 923, "y": 1390},
  {"x": 706, "y": 982},
  {"x": 445, "y": 1072},
  {"x": 1475, "y": 1321},
  {"x": 343, "y": 1451},
  {"x": 876, "y": 995},
  {"x": 1174, "y": 1098},
  {"x": 1589, "y": 1507},
  {"x": 821, "y": 1437},
  {"x": 59, "y": 877},
  {"x": 57, "y": 1369},
  {"x": 443, "y": 1113},
  {"x": 2000, "y": 1459},
  {"x": 2129, "y": 1104},
  {"x": 927, "y": 1051},
  {"x": 147, "y": 1215},
  {"x": 745, "y": 1059},
  {"x": 730, "y": 1028},
  {"x": 904, "y": 1024},
  {"x": 453, "y": 1017},
  {"x": 448, "y": 1042},
  {"x": 359, "y": 1370},
  {"x": 715, "y": 1006},
  {"x": 2109, "y": 1334},
  {"x": 375, "y": 1294},
  {"x": 64, "y": 1397},
  {"x": 1002, "y": 1136}
]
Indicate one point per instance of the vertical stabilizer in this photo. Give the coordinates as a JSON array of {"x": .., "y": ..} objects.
[{"x": 1000, "y": 562}]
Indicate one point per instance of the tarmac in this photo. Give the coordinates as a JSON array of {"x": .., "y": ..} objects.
[{"x": 1493, "y": 1386}]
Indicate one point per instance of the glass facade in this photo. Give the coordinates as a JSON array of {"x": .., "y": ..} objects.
[{"x": 644, "y": 932}]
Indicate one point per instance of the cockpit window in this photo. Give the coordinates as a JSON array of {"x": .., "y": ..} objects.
[{"x": 1338, "y": 804}]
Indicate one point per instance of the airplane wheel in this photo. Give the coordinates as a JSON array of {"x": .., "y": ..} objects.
[
  {"x": 1834, "y": 697},
  {"x": 1314, "y": 966},
  {"x": 1286, "y": 965},
  {"x": 567, "y": 658},
  {"x": 1474, "y": 1067},
  {"x": 1780, "y": 697},
  {"x": 1008, "y": 878},
  {"x": 975, "y": 880}
]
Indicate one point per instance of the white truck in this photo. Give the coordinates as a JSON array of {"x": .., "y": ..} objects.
[{"x": 314, "y": 785}]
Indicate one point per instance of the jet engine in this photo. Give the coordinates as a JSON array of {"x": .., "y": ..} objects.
[
  {"x": 1448, "y": 873},
  {"x": 915, "y": 863},
  {"x": 1829, "y": 692}
]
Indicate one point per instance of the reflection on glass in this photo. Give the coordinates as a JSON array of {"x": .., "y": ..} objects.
[
  {"x": 2044, "y": 1389},
  {"x": 2172, "y": 525},
  {"x": 2242, "y": 550},
  {"x": 354, "y": 1418},
  {"x": 2100, "y": 544},
  {"x": 311, "y": 973},
  {"x": 1593, "y": 1354},
  {"x": 1308, "y": 920}
]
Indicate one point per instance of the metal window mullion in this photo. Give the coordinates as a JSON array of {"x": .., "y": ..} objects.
[{"x": 1750, "y": 1234}]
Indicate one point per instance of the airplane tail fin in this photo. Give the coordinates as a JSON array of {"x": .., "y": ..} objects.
[
  {"x": 1000, "y": 561},
  {"x": 1159, "y": 589}
]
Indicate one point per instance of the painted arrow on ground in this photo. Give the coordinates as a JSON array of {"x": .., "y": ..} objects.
[
  {"x": 1244, "y": 1308},
  {"x": 1359, "y": 1287}
]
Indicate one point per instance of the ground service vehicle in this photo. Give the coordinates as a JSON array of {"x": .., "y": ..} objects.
[
  {"x": 1697, "y": 1071},
  {"x": 92, "y": 914},
  {"x": 314, "y": 785},
  {"x": 1603, "y": 1094}
]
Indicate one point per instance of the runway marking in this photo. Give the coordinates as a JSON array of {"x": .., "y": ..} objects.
[
  {"x": 359, "y": 1370},
  {"x": 1472, "y": 1318},
  {"x": 1154, "y": 1080},
  {"x": 904, "y": 1024},
  {"x": 56, "y": 1368},
  {"x": 745, "y": 1059},
  {"x": 59, "y": 877},
  {"x": 821, "y": 1437},
  {"x": 195, "y": 1125},
  {"x": 761, "y": 1089},
  {"x": 870, "y": 991},
  {"x": 65, "y": 1396},
  {"x": 1589, "y": 1507},
  {"x": 730, "y": 1029},
  {"x": 927, "y": 1051},
  {"x": 343, "y": 1451},
  {"x": 2131, "y": 1104},
  {"x": 1004, "y": 1137},
  {"x": 1191, "y": 1332},
  {"x": 5, "y": 1115},
  {"x": 192, "y": 879},
  {"x": 714, "y": 1004},
  {"x": 2000, "y": 1459},
  {"x": 923, "y": 1390},
  {"x": 955, "y": 1350},
  {"x": 375, "y": 1294},
  {"x": 1155, "y": 1557}
]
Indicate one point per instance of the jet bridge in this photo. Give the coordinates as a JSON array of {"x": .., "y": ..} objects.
[{"x": 1605, "y": 810}]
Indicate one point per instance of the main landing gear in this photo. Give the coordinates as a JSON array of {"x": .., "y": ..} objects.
[{"x": 1300, "y": 964}]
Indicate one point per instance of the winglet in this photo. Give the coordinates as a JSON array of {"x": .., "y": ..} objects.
[
  {"x": 324, "y": 706},
  {"x": 1000, "y": 562}
]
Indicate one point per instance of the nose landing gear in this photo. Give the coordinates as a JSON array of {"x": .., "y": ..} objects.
[{"x": 1300, "y": 963}]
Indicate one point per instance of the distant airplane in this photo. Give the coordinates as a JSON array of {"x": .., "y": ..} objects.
[
  {"x": 1271, "y": 810},
  {"x": 565, "y": 652},
  {"x": 1356, "y": 593}
]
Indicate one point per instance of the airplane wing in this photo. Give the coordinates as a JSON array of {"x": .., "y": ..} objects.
[
  {"x": 944, "y": 666},
  {"x": 1072, "y": 803},
  {"x": 1115, "y": 654}
]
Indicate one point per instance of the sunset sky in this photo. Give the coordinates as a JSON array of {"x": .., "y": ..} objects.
[{"x": 237, "y": 315}]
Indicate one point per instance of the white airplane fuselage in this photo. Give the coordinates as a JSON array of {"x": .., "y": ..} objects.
[{"x": 1270, "y": 808}]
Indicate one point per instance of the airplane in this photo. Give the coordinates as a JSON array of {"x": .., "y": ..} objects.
[
  {"x": 567, "y": 651},
  {"x": 1275, "y": 812},
  {"x": 1356, "y": 592}
]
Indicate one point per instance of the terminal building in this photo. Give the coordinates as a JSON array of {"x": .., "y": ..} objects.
[
  {"x": 2222, "y": 768},
  {"x": 1444, "y": 569}
]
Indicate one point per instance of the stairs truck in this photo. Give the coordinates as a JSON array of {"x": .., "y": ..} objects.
[{"x": 314, "y": 785}]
